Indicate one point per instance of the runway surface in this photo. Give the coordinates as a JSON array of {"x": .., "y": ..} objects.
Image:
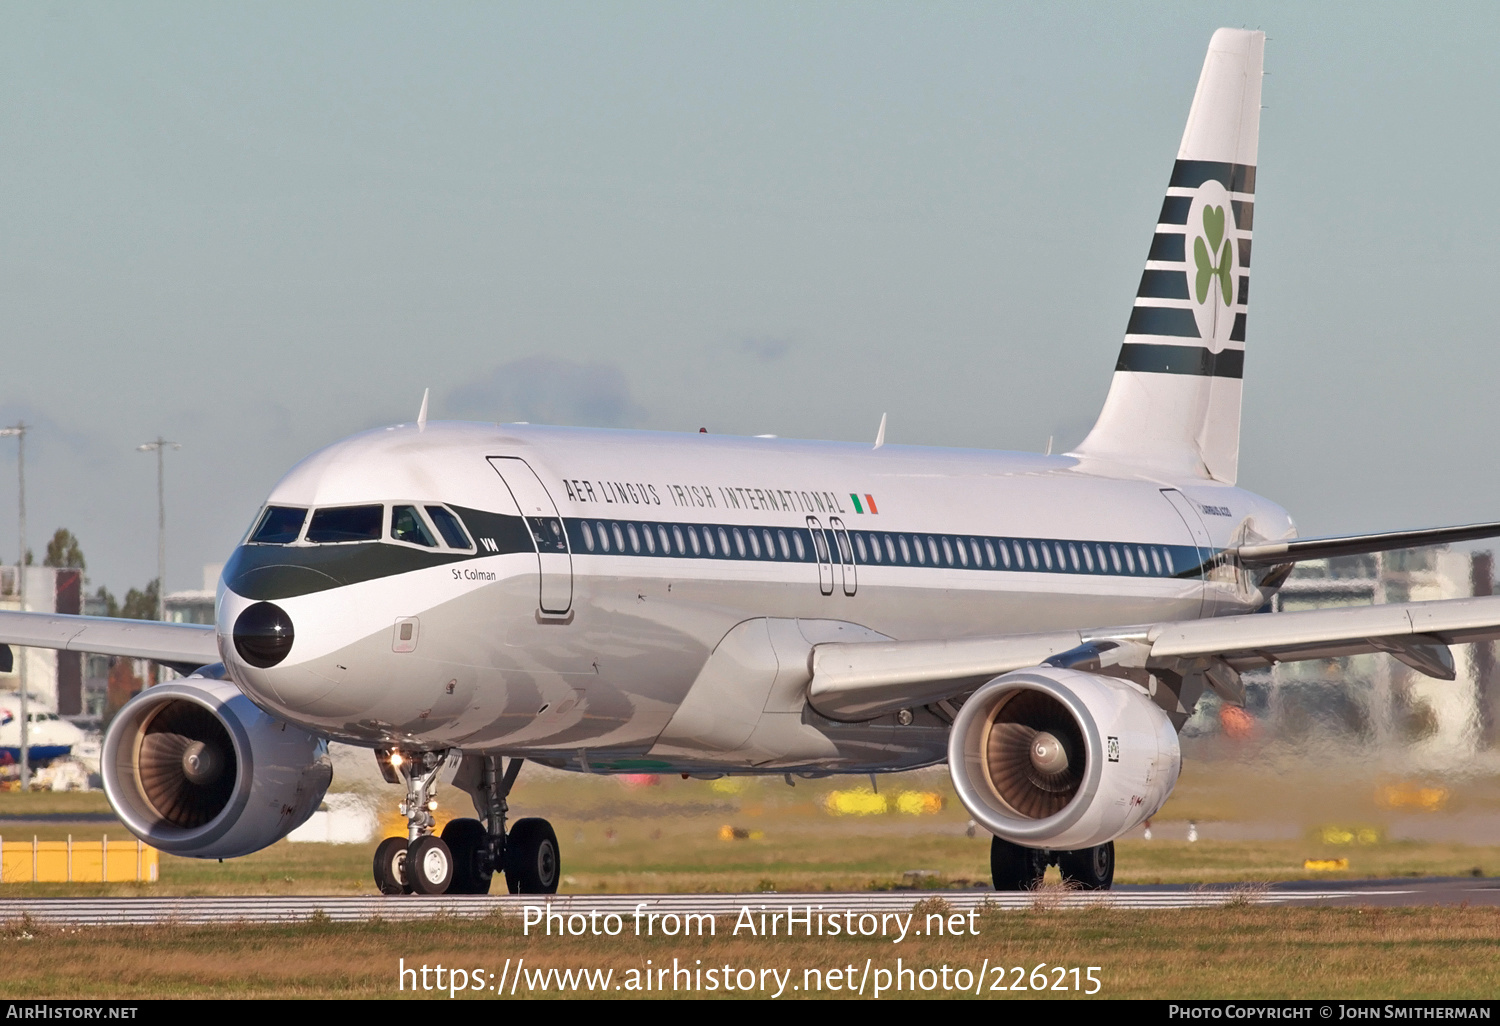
[{"x": 141, "y": 911}]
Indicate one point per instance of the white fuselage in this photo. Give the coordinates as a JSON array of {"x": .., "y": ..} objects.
[{"x": 581, "y": 652}]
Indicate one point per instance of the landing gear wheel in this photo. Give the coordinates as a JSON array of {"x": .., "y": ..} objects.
[
  {"x": 429, "y": 865},
  {"x": 469, "y": 842},
  {"x": 532, "y": 862},
  {"x": 390, "y": 866},
  {"x": 1014, "y": 868},
  {"x": 1092, "y": 869}
]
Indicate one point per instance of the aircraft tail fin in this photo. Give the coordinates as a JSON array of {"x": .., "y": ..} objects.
[{"x": 1174, "y": 403}]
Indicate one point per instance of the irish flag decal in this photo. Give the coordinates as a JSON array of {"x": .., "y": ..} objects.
[{"x": 859, "y": 507}]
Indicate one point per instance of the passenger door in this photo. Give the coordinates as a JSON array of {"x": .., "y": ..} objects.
[
  {"x": 1200, "y": 538},
  {"x": 554, "y": 559}
]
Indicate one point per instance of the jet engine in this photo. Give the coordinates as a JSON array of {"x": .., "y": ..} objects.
[
  {"x": 193, "y": 768},
  {"x": 1061, "y": 759}
]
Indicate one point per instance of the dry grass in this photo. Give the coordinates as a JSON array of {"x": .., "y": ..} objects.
[
  {"x": 666, "y": 837},
  {"x": 1231, "y": 952}
]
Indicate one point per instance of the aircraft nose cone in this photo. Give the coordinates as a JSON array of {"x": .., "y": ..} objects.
[{"x": 263, "y": 635}]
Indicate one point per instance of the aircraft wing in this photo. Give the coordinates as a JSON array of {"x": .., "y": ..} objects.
[
  {"x": 860, "y": 680},
  {"x": 1294, "y": 550},
  {"x": 177, "y": 644}
]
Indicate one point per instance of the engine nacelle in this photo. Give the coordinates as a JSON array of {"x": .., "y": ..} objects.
[
  {"x": 194, "y": 768},
  {"x": 1061, "y": 759}
]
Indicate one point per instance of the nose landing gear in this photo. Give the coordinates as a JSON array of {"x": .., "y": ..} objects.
[{"x": 464, "y": 859}]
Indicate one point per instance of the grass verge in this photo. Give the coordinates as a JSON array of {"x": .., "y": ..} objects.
[{"x": 1228, "y": 952}]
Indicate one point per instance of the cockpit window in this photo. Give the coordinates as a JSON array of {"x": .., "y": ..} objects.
[
  {"x": 452, "y": 530},
  {"x": 279, "y": 526},
  {"x": 407, "y": 526},
  {"x": 346, "y": 524}
]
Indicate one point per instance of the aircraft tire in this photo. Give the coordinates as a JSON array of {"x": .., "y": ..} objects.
[
  {"x": 533, "y": 864},
  {"x": 429, "y": 865},
  {"x": 1015, "y": 868},
  {"x": 468, "y": 840},
  {"x": 390, "y": 866},
  {"x": 1090, "y": 869}
]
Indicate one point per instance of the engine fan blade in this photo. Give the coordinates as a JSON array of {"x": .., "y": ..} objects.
[
  {"x": 1035, "y": 755},
  {"x": 186, "y": 764}
]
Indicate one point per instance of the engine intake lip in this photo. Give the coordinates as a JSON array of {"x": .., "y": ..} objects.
[
  {"x": 968, "y": 749},
  {"x": 139, "y": 791}
]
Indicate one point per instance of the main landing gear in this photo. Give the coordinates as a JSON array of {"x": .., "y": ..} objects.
[
  {"x": 463, "y": 860},
  {"x": 1015, "y": 868}
]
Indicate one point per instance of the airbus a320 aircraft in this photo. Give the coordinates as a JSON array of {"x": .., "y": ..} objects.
[{"x": 622, "y": 601}]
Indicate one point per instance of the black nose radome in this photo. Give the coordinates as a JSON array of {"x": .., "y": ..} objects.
[{"x": 263, "y": 635}]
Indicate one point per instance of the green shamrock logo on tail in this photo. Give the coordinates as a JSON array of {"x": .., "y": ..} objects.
[{"x": 1213, "y": 227}]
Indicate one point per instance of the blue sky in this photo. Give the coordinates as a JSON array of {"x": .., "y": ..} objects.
[{"x": 259, "y": 228}]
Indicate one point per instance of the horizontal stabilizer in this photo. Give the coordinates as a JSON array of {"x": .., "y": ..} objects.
[{"x": 1297, "y": 549}]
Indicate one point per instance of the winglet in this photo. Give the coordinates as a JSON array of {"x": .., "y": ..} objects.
[
  {"x": 422, "y": 413},
  {"x": 880, "y": 434}
]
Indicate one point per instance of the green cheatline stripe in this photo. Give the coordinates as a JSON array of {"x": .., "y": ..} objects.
[
  {"x": 1234, "y": 177},
  {"x": 855, "y": 499},
  {"x": 1181, "y": 360}
]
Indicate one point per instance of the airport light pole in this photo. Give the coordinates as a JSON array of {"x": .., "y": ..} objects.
[
  {"x": 160, "y": 445},
  {"x": 18, "y": 432}
]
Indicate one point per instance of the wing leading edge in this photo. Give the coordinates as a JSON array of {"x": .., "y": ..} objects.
[
  {"x": 861, "y": 680},
  {"x": 177, "y": 644},
  {"x": 1294, "y": 550}
]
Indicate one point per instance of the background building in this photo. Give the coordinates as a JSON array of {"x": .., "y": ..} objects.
[{"x": 54, "y": 680}]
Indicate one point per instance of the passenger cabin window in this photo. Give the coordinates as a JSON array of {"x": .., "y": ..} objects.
[
  {"x": 346, "y": 524},
  {"x": 279, "y": 525},
  {"x": 450, "y": 527},
  {"x": 407, "y": 526}
]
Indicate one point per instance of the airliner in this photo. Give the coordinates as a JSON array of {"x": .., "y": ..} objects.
[
  {"x": 480, "y": 596},
  {"x": 49, "y": 736}
]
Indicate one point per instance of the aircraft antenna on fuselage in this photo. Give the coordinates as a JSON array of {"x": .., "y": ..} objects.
[
  {"x": 880, "y": 433},
  {"x": 422, "y": 413}
]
